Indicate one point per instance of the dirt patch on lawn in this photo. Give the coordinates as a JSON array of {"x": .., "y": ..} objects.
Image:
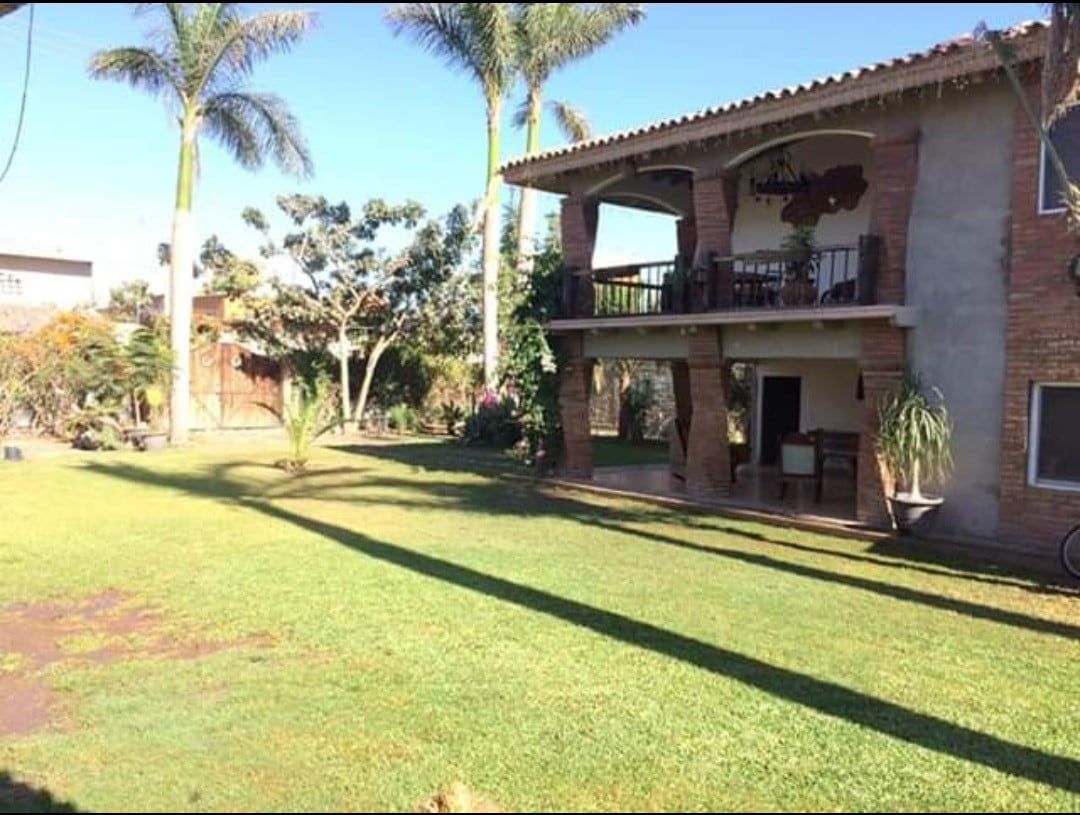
[{"x": 98, "y": 629}]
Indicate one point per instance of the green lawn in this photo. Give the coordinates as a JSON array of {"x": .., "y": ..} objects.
[
  {"x": 201, "y": 631},
  {"x": 609, "y": 451}
]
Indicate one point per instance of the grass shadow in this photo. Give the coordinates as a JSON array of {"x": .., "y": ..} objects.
[
  {"x": 884, "y": 717},
  {"x": 17, "y": 796}
]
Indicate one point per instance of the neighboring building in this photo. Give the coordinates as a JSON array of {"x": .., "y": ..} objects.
[
  {"x": 33, "y": 288},
  {"x": 940, "y": 246},
  {"x": 32, "y": 280}
]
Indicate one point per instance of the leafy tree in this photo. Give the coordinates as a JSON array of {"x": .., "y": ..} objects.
[
  {"x": 356, "y": 299},
  {"x": 479, "y": 39},
  {"x": 199, "y": 58},
  {"x": 531, "y": 364},
  {"x": 129, "y": 301},
  {"x": 228, "y": 274},
  {"x": 550, "y": 35}
]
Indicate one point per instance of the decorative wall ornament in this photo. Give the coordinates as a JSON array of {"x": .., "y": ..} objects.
[{"x": 837, "y": 188}]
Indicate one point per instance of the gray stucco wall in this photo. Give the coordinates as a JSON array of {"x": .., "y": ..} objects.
[{"x": 956, "y": 277}]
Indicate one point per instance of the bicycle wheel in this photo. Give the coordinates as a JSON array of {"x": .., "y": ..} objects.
[{"x": 1070, "y": 552}]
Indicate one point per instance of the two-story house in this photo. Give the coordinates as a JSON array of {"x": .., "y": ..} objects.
[{"x": 938, "y": 244}]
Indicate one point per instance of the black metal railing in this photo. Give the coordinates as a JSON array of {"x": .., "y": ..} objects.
[{"x": 826, "y": 276}]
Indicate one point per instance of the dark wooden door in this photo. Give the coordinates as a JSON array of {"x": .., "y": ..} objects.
[{"x": 780, "y": 397}]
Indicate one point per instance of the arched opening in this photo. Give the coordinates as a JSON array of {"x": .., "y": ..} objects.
[{"x": 818, "y": 181}]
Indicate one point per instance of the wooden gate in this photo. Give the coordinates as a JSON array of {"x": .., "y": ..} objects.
[{"x": 228, "y": 383}]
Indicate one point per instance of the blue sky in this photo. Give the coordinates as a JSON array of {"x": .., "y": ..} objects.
[{"x": 95, "y": 171}]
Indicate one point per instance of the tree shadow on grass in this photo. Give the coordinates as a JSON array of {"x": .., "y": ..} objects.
[
  {"x": 15, "y": 796},
  {"x": 909, "y": 554},
  {"x": 887, "y": 718}
]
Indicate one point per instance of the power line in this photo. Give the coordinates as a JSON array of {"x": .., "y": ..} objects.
[{"x": 22, "y": 104}]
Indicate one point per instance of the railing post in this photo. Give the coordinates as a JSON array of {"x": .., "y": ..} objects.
[{"x": 869, "y": 264}]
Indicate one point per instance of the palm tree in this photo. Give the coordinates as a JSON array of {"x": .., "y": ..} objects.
[
  {"x": 477, "y": 38},
  {"x": 549, "y": 36},
  {"x": 198, "y": 60}
]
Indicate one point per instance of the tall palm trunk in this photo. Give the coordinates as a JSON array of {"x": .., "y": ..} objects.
[
  {"x": 527, "y": 210},
  {"x": 491, "y": 247},
  {"x": 180, "y": 288}
]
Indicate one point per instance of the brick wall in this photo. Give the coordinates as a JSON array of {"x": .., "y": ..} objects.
[
  {"x": 881, "y": 366},
  {"x": 575, "y": 381},
  {"x": 578, "y": 221},
  {"x": 894, "y": 167},
  {"x": 1042, "y": 345},
  {"x": 708, "y": 473}
]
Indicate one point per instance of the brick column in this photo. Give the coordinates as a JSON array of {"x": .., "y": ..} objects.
[
  {"x": 684, "y": 410},
  {"x": 686, "y": 237},
  {"x": 882, "y": 368},
  {"x": 715, "y": 197},
  {"x": 578, "y": 220},
  {"x": 708, "y": 471},
  {"x": 575, "y": 379},
  {"x": 894, "y": 167}
]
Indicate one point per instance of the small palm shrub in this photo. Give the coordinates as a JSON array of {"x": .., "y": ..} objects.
[
  {"x": 452, "y": 415},
  {"x": 309, "y": 412},
  {"x": 401, "y": 418}
]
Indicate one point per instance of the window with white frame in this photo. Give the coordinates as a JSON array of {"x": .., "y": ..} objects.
[
  {"x": 1065, "y": 136},
  {"x": 1054, "y": 449},
  {"x": 10, "y": 285}
]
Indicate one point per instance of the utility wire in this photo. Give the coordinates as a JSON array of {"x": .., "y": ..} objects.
[{"x": 22, "y": 104}]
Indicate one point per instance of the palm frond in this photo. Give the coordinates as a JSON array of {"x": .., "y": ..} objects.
[
  {"x": 553, "y": 34},
  {"x": 253, "y": 126},
  {"x": 474, "y": 37},
  {"x": 572, "y": 121},
  {"x": 246, "y": 42},
  {"x": 1061, "y": 66},
  {"x": 521, "y": 114},
  {"x": 141, "y": 68}
]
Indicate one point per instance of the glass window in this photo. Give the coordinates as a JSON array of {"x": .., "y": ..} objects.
[
  {"x": 1065, "y": 135},
  {"x": 1055, "y": 436}
]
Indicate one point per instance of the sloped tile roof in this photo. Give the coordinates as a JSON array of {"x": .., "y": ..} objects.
[{"x": 965, "y": 55}]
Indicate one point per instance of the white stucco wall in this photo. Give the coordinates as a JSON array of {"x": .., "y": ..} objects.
[
  {"x": 757, "y": 223},
  {"x": 827, "y": 398},
  {"x": 45, "y": 281}
]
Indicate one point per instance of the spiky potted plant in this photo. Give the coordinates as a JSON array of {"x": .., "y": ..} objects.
[
  {"x": 914, "y": 441},
  {"x": 799, "y": 288}
]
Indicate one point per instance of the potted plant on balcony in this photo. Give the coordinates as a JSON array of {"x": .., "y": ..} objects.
[
  {"x": 914, "y": 441},
  {"x": 799, "y": 288}
]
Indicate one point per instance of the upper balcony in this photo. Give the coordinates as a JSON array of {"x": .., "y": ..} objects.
[{"x": 767, "y": 280}]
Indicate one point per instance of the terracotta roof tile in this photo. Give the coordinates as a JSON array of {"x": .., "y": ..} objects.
[{"x": 948, "y": 47}]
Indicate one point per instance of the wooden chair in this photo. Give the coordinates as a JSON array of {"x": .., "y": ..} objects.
[{"x": 800, "y": 461}]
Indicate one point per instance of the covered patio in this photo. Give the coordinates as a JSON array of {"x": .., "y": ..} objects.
[{"x": 756, "y": 487}]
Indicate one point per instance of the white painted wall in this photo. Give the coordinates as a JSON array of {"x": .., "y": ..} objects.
[
  {"x": 828, "y": 396},
  {"x": 35, "y": 281},
  {"x": 757, "y": 223},
  {"x": 831, "y": 340}
]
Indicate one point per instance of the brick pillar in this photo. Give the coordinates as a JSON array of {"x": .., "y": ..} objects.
[
  {"x": 715, "y": 196},
  {"x": 882, "y": 368},
  {"x": 684, "y": 409},
  {"x": 686, "y": 237},
  {"x": 578, "y": 220},
  {"x": 894, "y": 167},
  {"x": 708, "y": 472},
  {"x": 575, "y": 379}
]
